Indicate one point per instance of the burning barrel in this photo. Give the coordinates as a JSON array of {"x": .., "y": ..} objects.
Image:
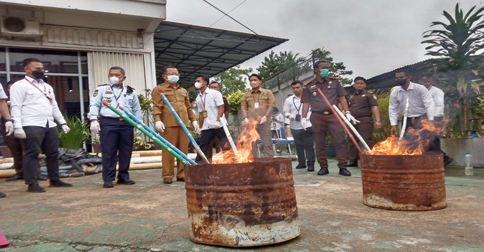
[
  {"x": 242, "y": 204},
  {"x": 404, "y": 182}
]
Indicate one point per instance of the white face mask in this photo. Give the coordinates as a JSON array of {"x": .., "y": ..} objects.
[
  {"x": 114, "y": 80},
  {"x": 198, "y": 85}
]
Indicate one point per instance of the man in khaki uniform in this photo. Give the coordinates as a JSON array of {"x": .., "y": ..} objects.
[
  {"x": 166, "y": 123},
  {"x": 257, "y": 104}
]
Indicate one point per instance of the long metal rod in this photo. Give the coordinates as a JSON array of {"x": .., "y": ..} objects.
[
  {"x": 340, "y": 121},
  {"x": 183, "y": 155},
  {"x": 182, "y": 125},
  {"x": 229, "y": 137},
  {"x": 402, "y": 132},
  {"x": 230, "y": 17},
  {"x": 140, "y": 128},
  {"x": 352, "y": 128}
]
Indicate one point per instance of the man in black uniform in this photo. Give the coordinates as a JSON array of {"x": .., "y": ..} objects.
[
  {"x": 362, "y": 105},
  {"x": 322, "y": 117}
]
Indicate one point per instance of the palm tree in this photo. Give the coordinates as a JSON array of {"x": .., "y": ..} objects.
[{"x": 458, "y": 43}]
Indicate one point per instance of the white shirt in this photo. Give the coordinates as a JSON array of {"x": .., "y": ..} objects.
[
  {"x": 277, "y": 121},
  {"x": 293, "y": 106},
  {"x": 209, "y": 101},
  {"x": 420, "y": 102},
  {"x": 438, "y": 96},
  {"x": 31, "y": 107}
]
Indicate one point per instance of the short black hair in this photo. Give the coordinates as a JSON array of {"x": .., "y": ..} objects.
[
  {"x": 118, "y": 68},
  {"x": 215, "y": 82},
  {"x": 256, "y": 75},
  {"x": 403, "y": 70},
  {"x": 27, "y": 61},
  {"x": 163, "y": 71},
  {"x": 359, "y": 78},
  {"x": 205, "y": 78},
  {"x": 275, "y": 109},
  {"x": 10, "y": 82},
  {"x": 428, "y": 75},
  {"x": 296, "y": 82},
  {"x": 316, "y": 65}
]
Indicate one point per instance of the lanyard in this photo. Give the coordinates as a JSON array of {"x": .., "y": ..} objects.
[
  {"x": 300, "y": 104},
  {"x": 117, "y": 98},
  {"x": 45, "y": 90},
  {"x": 203, "y": 99}
]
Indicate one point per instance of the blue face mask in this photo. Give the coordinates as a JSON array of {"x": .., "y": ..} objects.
[
  {"x": 324, "y": 73},
  {"x": 172, "y": 79}
]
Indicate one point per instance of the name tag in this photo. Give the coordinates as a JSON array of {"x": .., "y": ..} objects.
[
  {"x": 204, "y": 113},
  {"x": 256, "y": 105}
]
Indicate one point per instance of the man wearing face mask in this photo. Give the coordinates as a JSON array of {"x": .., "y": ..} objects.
[
  {"x": 211, "y": 109},
  {"x": 115, "y": 133},
  {"x": 421, "y": 105},
  {"x": 166, "y": 123},
  {"x": 34, "y": 108},
  {"x": 322, "y": 118},
  {"x": 257, "y": 104}
]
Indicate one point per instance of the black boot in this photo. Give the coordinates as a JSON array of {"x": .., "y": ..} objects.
[
  {"x": 300, "y": 166},
  {"x": 2, "y": 195},
  {"x": 353, "y": 164},
  {"x": 344, "y": 172},
  {"x": 310, "y": 167},
  {"x": 16, "y": 177},
  {"x": 59, "y": 183},
  {"x": 35, "y": 188},
  {"x": 323, "y": 171}
]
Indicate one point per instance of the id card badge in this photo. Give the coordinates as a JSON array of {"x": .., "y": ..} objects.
[
  {"x": 298, "y": 118},
  {"x": 256, "y": 105},
  {"x": 204, "y": 113}
]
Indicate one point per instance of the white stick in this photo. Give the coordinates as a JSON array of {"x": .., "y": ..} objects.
[
  {"x": 229, "y": 137},
  {"x": 352, "y": 128},
  {"x": 404, "y": 121}
]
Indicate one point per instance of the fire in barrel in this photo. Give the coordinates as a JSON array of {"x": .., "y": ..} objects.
[
  {"x": 241, "y": 202},
  {"x": 398, "y": 175}
]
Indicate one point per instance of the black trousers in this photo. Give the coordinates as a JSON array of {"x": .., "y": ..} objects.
[
  {"x": 116, "y": 136},
  {"x": 303, "y": 139},
  {"x": 207, "y": 137},
  {"x": 47, "y": 140}
]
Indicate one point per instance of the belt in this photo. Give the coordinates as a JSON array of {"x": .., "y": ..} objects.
[
  {"x": 112, "y": 118},
  {"x": 322, "y": 112}
]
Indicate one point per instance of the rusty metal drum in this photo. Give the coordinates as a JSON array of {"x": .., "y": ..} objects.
[
  {"x": 404, "y": 182},
  {"x": 242, "y": 205}
]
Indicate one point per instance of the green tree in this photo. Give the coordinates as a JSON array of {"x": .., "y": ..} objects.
[
  {"x": 276, "y": 63},
  {"x": 233, "y": 79},
  {"x": 457, "y": 43},
  {"x": 336, "y": 69}
]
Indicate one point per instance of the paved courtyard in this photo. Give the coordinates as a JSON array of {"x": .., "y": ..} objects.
[{"x": 151, "y": 216}]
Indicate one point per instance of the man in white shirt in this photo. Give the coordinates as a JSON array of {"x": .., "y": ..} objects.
[
  {"x": 210, "y": 106},
  {"x": 303, "y": 139},
  {"x": 438, "y": 95},
  {"x": 421, "y": 105},
  {"x": 6, "y": 117},
  {"x": 34, "y": 108}
]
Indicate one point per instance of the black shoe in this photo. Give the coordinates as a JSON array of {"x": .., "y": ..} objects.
[
  {"x": 59, "y": 183},
  {"x": 447, "y": 161},
  {"x": 35, "y": 188},
  {"x": 323, "y": 171},
  {"x": 310, "y": 167},
  {"x": 16, "y": 177},
  {"x": 125, "y": 182},
  {"x": 300, "y": 166},
  {"x": 167, "y": 180},
  {"x": 108, "y": 184},
  {"x": 353, "y": 164},
  {"x": 344, "y": 172},
  {"x": 42, "y": 177},
  {"x": 2, "y": 195}
]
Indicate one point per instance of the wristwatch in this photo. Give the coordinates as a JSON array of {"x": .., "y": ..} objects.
[{"x": 378, "y": 121}]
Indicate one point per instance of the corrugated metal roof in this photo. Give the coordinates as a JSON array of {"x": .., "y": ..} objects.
[{"x": 196, "y": 50}]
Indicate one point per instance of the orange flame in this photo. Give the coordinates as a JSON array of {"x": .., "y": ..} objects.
[
  {"x": 244, "y": 147},
  {"x": 418, "y": 140}
]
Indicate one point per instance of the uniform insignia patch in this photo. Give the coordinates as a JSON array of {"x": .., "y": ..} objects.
[
  {"x": 314, "y": 94},
  {"x": 363, "y": 96},
  {"x": 108, "y": 90},
  {"x": 330, "y": 82},
  {"x": 96, "y": 92},
  {"x": 313, "y": 86},
  {"x": 108, "y": 100}
]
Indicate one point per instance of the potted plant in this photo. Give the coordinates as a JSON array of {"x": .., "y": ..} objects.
[{"x": 78, "y": 134}]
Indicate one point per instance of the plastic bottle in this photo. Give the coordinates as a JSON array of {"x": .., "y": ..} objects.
[{"x": 468, "y": 160}]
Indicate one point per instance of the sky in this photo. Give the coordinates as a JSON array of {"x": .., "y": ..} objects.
[{"x": 371, "y": 36}]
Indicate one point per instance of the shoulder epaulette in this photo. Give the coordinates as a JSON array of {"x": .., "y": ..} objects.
[
  {"x": 334, "y": 78},
  {"x": 129, "y": 89},
  {"x": 307, "y": 82},
  {"x": 102, "y": 85}
]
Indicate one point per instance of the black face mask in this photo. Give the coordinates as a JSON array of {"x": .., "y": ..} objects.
[
  {"x": 401, "y": 82},
  {"x": 38, "y": 74}
]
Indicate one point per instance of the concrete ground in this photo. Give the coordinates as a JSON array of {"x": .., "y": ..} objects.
[{"x": 151, "y": 216}]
